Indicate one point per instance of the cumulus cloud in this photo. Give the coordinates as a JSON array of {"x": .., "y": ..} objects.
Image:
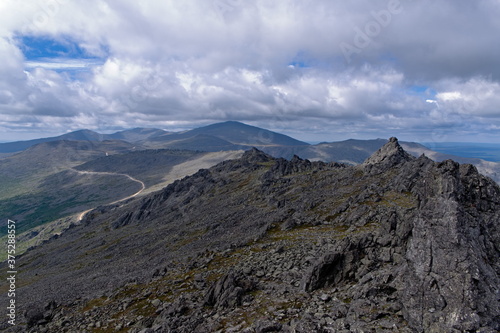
[
  {"x": 474, "y": 97},
  {"x": 322, "y": 69}
]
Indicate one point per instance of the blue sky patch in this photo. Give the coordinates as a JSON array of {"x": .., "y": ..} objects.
[
  {"x": 301, "y": 60},
  {"x": 299, "y": 64},
  {"x": 61, "y": 54},
  {"x": 422, "y": 90},
  {"x": 45, "y": 47}
]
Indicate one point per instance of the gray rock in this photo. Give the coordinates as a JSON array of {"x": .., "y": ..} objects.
[
  {"x": 407, "y": 245},
  {"x": 156, "y": 303},
  {"x": 228, "y": 291},
  {"x": 267, "y": 326}
]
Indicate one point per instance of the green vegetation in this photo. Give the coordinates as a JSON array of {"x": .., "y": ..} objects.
[
  {"x": 54, "y": 200},
  {"x": 187, "y": 239}
]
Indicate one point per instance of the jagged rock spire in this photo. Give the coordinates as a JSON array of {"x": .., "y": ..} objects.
[
  {"x": 389, "y": 155},
  {"x": 256, "y": 156}
]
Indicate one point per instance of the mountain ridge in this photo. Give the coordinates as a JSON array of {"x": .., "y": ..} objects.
[
  {"x": 232, "y": 135},
  {"x": 236, "y": 133},
  {"x": 395, "y": 243},
  {"x": 82, "y": 135}
]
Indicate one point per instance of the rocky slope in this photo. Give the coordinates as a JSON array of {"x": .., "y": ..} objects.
[{"x": 259, "y": 244}]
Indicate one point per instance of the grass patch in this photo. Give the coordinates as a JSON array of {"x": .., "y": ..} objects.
[
  {"x": 95, "y": 303},
  {"x": 268, "y": 164},
  {"x": 188, "y": 239}
]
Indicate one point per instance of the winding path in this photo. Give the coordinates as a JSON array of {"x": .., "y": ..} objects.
[{"x": 143, "y": 187}]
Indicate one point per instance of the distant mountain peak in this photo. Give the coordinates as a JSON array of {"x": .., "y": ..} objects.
[
  {"x": 389, "y": 154},
  {"x": 234, "y": 122},
  {"x": 237, "y": 133}
]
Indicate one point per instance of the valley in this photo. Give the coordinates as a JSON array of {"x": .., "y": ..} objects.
[
  {"x": 156, "y": 168},
  {"x": 56, "y": 181},
  {"x": 143, "y": 187},
  {"x": 86, "y": 194},
  {"x": 259, "y": 243}
]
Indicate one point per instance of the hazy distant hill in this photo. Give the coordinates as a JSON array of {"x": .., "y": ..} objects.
[
  {"x": 136, "y": 134},
  {"x": 348, "y": 151},
  {"x": 202, "y": 142},
  {"x": 228, "y": 135},
  {"x": 133, "y": 135},
  {"x": 232, "y": 135},
  {"x": 150, "y": 166},
  {"x": 234, "y": 132},
  {"x": 84, "y": 135}
]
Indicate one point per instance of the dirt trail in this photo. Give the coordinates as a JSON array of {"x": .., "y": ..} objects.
[
  {"x": 143, "y": 187},
  {"x": 177, "y": 172}
]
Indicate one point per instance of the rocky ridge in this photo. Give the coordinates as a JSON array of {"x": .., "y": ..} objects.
[{"x": 269, "y": 245}]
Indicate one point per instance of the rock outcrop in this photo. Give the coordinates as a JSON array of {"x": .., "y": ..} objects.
[{"x": 268, "y": 245}]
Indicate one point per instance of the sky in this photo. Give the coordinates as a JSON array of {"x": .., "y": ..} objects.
[{"x": 318, "y": 70}]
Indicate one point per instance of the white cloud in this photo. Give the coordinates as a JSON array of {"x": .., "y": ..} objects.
[
  {"x": 449, "y": 96},
  {"x": 476, "y": 97},
  {"x": 61, "y": 64},
  {"x": 172, "y": 63}
]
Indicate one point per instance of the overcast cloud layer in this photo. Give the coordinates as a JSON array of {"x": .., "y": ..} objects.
[{"x": 326, "y": 70}]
